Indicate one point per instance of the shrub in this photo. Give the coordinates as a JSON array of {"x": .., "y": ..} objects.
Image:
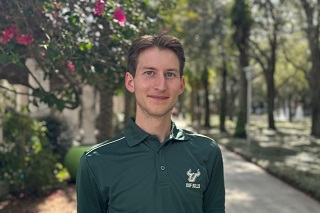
[
  {"x": 72, "y": 160},
  {"x": 27, "y": 163},
  {"x": 59, "y": 136}
]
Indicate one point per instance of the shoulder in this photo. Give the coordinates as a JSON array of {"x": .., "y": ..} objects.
[
  {"x": 108, "y": 145},
  {"x": 203, "y": 143},
  {"x": 193, "y": 136}
]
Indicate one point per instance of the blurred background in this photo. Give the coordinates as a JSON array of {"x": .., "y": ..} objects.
[{"x": 252, "y": 82}]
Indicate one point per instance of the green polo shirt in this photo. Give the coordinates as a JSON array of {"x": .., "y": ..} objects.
[{"x": 134, "y": 172}]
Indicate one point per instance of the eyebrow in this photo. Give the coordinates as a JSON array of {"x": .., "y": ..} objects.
[
  {"x": 170, "y": 69},
  {"x": 148, "y": 68}
]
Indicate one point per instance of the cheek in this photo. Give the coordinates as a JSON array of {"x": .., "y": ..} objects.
[
  {"x": 139, "y": 88},
  {"x": 143, "y": 85}
]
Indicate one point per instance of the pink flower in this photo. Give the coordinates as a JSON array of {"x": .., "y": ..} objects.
[
  {"x": 99, "y": 7},
  {"x": 42, "y": 10},
  {"x": 71, "y": 66},
  {"x": 8, "y": 34},
  {"x": 24, "y": 39},
  {"x": 58, "y": 6},
  {"x": 119, "y": 15},
  {"x": 43, "y": 53},
  {"x": 21, "y": 195}
]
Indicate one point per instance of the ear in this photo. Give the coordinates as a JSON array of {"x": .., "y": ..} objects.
[
  {"x": 129, "y": 82},
  {"x": 182, "y": 85}
]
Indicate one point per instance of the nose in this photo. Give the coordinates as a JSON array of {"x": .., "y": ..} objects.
[{"x": 160, "y": 83}]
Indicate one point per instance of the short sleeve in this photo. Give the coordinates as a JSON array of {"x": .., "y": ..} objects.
[
  {"x": 89, "y": 199},
  {"x": 214, "y": 196}
]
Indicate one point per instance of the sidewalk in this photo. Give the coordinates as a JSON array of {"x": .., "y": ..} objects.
[{"x": 250, "y": 189}]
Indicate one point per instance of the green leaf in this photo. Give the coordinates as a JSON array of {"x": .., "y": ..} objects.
[
  {"x": 28, "y": 12},
  {"x": 60, "y": 105},
  {"x": 73, "y": 19},
  {"x": 40, "y": 3},
  {"x": 4, "y": 58},
  {"x": 20, "y": 64},
  {"x": 81, "y": 46},
  {"x": 89, "y": 46}
]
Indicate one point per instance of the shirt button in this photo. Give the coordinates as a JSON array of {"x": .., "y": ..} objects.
[
  {"x": 160, "y": 152},
  {"x": 162, "y": 168}
]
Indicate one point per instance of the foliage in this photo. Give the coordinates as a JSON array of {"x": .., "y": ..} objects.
[
  {"x": 291, "y": 81},
  {"x": 242, "y": 20},
  {"x": 72, "y": 42},
  {"x": 72, "y": 160},
  {"x": 27, "y": 163},
  {"x": 59, "y": 135}
]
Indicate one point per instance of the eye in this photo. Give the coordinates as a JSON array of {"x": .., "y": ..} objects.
[
  {"x": 170, "y": 75},
  {"x": 149, "y": 72}
]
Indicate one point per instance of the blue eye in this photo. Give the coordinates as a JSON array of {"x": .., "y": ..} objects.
[
  {"x": 170, "y": 74},
  {"x": 149, "y": 72}
]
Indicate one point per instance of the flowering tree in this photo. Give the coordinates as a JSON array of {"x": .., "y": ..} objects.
[{"x": 73, "y": 42}]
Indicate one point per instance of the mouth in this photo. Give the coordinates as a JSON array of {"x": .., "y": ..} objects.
[{"x": 158, "y": 97}]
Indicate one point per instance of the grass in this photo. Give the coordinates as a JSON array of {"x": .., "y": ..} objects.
[{"x": 289, "y": 153}]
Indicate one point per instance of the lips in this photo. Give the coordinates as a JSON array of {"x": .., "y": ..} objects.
[{"x": 158, "y": 97}]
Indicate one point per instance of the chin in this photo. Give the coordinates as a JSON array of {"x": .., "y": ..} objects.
[{"x": 160, "y": 114}]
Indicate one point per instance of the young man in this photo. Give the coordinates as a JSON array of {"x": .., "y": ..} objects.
[{"x": 153, "y": 167}]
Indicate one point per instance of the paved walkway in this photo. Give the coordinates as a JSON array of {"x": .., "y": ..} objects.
[{"x": 249, "y": 189}]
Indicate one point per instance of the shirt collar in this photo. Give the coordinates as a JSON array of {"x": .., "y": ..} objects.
[{"x": 135, "y": 135}]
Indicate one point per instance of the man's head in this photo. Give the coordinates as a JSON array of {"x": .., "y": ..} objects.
[
  {"x": 161, "y": 41},
  {"x": 155, "y": 75}
]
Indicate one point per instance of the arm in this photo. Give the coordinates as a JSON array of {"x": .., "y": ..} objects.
[
  {"x": 214, "y": 196},
  {"x": 89, "y": 199}
]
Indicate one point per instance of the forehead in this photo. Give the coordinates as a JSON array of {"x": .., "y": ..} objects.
[{"x": 156, "y": 56}]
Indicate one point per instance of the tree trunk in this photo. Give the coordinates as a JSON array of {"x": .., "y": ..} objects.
[
  {"x": 240, "y": 130},
  {"x": 205, "y": 82},
  {"x": 312, "y": 32},
  {"x": 182, "y": 108},
  {"x": 315, "y": 130},
  {"x": 241, "y": 20},
  {"x": 105, "y": 117},
  {"x": 315, "y": 89},
  {"x": 223, "y": 99},
  {"x": 198, "y": 110},
  {"x": 193, "y": 103},
  {"x": 270, "y": 100},
  {"x": 129, "y": 109},
  {"x": 289, "y": 106},
  {"x": 231, "y": 100}
]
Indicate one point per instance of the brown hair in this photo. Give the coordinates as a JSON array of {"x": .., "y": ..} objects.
[{"x": 162, "y": 41}]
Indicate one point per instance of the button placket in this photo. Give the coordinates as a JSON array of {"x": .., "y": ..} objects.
[{"x": 161, "y": 167}]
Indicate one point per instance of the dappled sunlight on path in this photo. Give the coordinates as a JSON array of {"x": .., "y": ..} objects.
[{"x": 248, "y": 188}]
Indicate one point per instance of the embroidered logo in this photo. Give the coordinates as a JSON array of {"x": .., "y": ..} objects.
[{"x": 192, "y": 176}]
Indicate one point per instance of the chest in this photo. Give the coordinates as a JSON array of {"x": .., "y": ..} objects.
[{"x": 154, "y": 179}]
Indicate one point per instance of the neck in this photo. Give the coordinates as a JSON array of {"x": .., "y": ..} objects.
[{"x": 159, "y": 126}]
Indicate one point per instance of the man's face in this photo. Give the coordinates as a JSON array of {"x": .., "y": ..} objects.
[{"x": 157, "y": 83}]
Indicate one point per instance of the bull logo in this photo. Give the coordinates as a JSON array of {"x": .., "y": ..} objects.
[{"x": 193, "y": 175}]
